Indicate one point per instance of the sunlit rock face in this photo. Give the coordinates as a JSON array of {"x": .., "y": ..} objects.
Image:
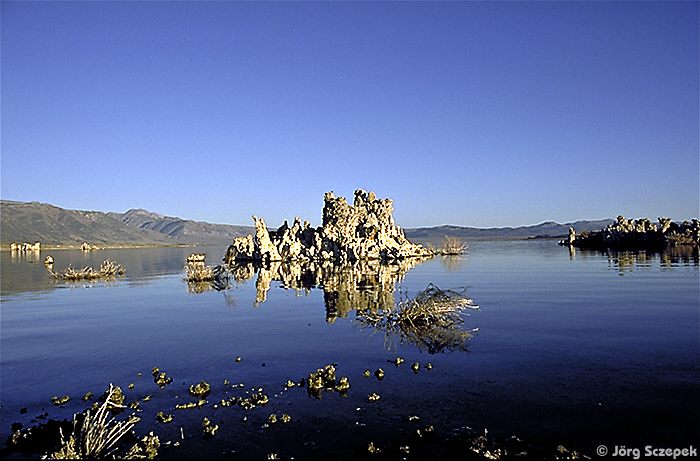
[{"x": 364, "y": 230}]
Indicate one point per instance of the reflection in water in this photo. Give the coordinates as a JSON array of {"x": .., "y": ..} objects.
[
  {"x": 83, "y": 283},
  {"x": 363, "y": 285},
  {"x": 429, "y": 321},
  {"x": 626, "y": 260},
  {"x": 367, "y": 285},
  {"x": 202, "y": 287},
  {"x": 31, "y": 256},
  {"x": 453, "y": 263}
]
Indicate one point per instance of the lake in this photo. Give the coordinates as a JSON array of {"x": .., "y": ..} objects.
[{"x": 568, "y": 347}]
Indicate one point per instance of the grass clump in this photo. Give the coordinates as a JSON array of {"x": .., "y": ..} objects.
[
  {"x": 201, "y": 277},
  {"x": 95, "y": 434},
  {"x": 108, "y": 269},
  {"x": 430, "y": 320},
  {"x": 453, "y": 246}
]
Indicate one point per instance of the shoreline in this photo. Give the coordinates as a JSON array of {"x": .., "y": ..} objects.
[{"x": 115, "y": 246}]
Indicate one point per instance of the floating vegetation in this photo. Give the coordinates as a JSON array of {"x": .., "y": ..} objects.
[
  {"x": 200, "y": 390},
  {"x": 430, "y": 320},
  {"x": 324, "y": 379},
  {"x": 343, "y": 384},
  {"x": 208, "y": 428},
  {"x": 274, "y": 419},
  {"x": 228, "y": 403},
  {"x": 147, "y": 449},
  {"x": 114, "y": 398},
  {"x": 257, "y": 399},
  {"x": 108, "y": 270},
  {"x": 160, "y": 378},
  {"x": 94, "y": 435},
  {"x": 188, "y": 405},
  {"x": 60, "y": 401},
  {"x": 163, "y": 418},
  {"x": 203, "y": 278}
]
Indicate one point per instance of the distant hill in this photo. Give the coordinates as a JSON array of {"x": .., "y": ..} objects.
[
  {"x": 181, "y": 229},
  {"x": 51, "y": 225},
  {"x": 543, "y": 230}
]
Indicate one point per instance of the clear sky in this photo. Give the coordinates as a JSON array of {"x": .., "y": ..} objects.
[{"x": 484, "y": 114}]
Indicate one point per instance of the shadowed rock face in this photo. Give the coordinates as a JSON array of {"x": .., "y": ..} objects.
[
  {"x": 362, "y": 231},
  {"x": 638, "y": 234}
]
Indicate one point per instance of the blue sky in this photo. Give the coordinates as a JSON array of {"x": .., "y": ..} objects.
[{"x": 483, "y": 114}]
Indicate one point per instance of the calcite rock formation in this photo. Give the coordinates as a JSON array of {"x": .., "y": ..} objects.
[
  {"x": 638, "y": 234},
  {"x": 362, "y": 231}
]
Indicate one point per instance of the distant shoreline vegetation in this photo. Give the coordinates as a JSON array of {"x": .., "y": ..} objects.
[{"x": 640, "y": 234}]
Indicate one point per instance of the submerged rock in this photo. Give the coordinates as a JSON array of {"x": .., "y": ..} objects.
[{"x": 362, "y": 231}]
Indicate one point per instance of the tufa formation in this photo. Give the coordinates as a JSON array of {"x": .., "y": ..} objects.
[
  {"x": 362, "y": 231},
  {"x": 638, "y": 234}
]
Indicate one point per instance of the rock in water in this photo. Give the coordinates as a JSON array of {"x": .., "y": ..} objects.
[{"x": 364, "y": 230}]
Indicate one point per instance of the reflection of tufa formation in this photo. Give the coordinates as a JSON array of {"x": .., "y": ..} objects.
[
  {"x": 365, "y": 230},
  {"x": 347, "y": 287}
]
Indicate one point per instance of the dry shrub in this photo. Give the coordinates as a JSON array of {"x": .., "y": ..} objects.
[
  {"x": 94, "y": 434},
  {"x": 452, "y": 245},
  {"x": 108, "y": 269},
  {"x": 430, "y": 320}
]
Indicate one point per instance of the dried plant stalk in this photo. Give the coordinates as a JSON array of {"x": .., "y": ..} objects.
[
  {"x": 453, "y": 245},
  {"x": 108, "y": 269},
  {"x": 94, "y": 435},
  {"x": 430, "y": 320}
]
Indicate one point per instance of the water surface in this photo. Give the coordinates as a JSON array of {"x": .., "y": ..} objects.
[{"x": 574, "y": 348}]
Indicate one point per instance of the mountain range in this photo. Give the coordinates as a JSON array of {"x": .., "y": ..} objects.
[
  {"x": 544, "y": 230},
  {"x": 51, "y": 225}
]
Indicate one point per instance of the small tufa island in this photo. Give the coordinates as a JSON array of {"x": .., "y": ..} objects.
[
  {"x": 362, "y": 231},
  {"x": 640, "y": 234}
]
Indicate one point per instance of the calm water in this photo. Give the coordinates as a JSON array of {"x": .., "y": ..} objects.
[{"x": 579, "y": 349}]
